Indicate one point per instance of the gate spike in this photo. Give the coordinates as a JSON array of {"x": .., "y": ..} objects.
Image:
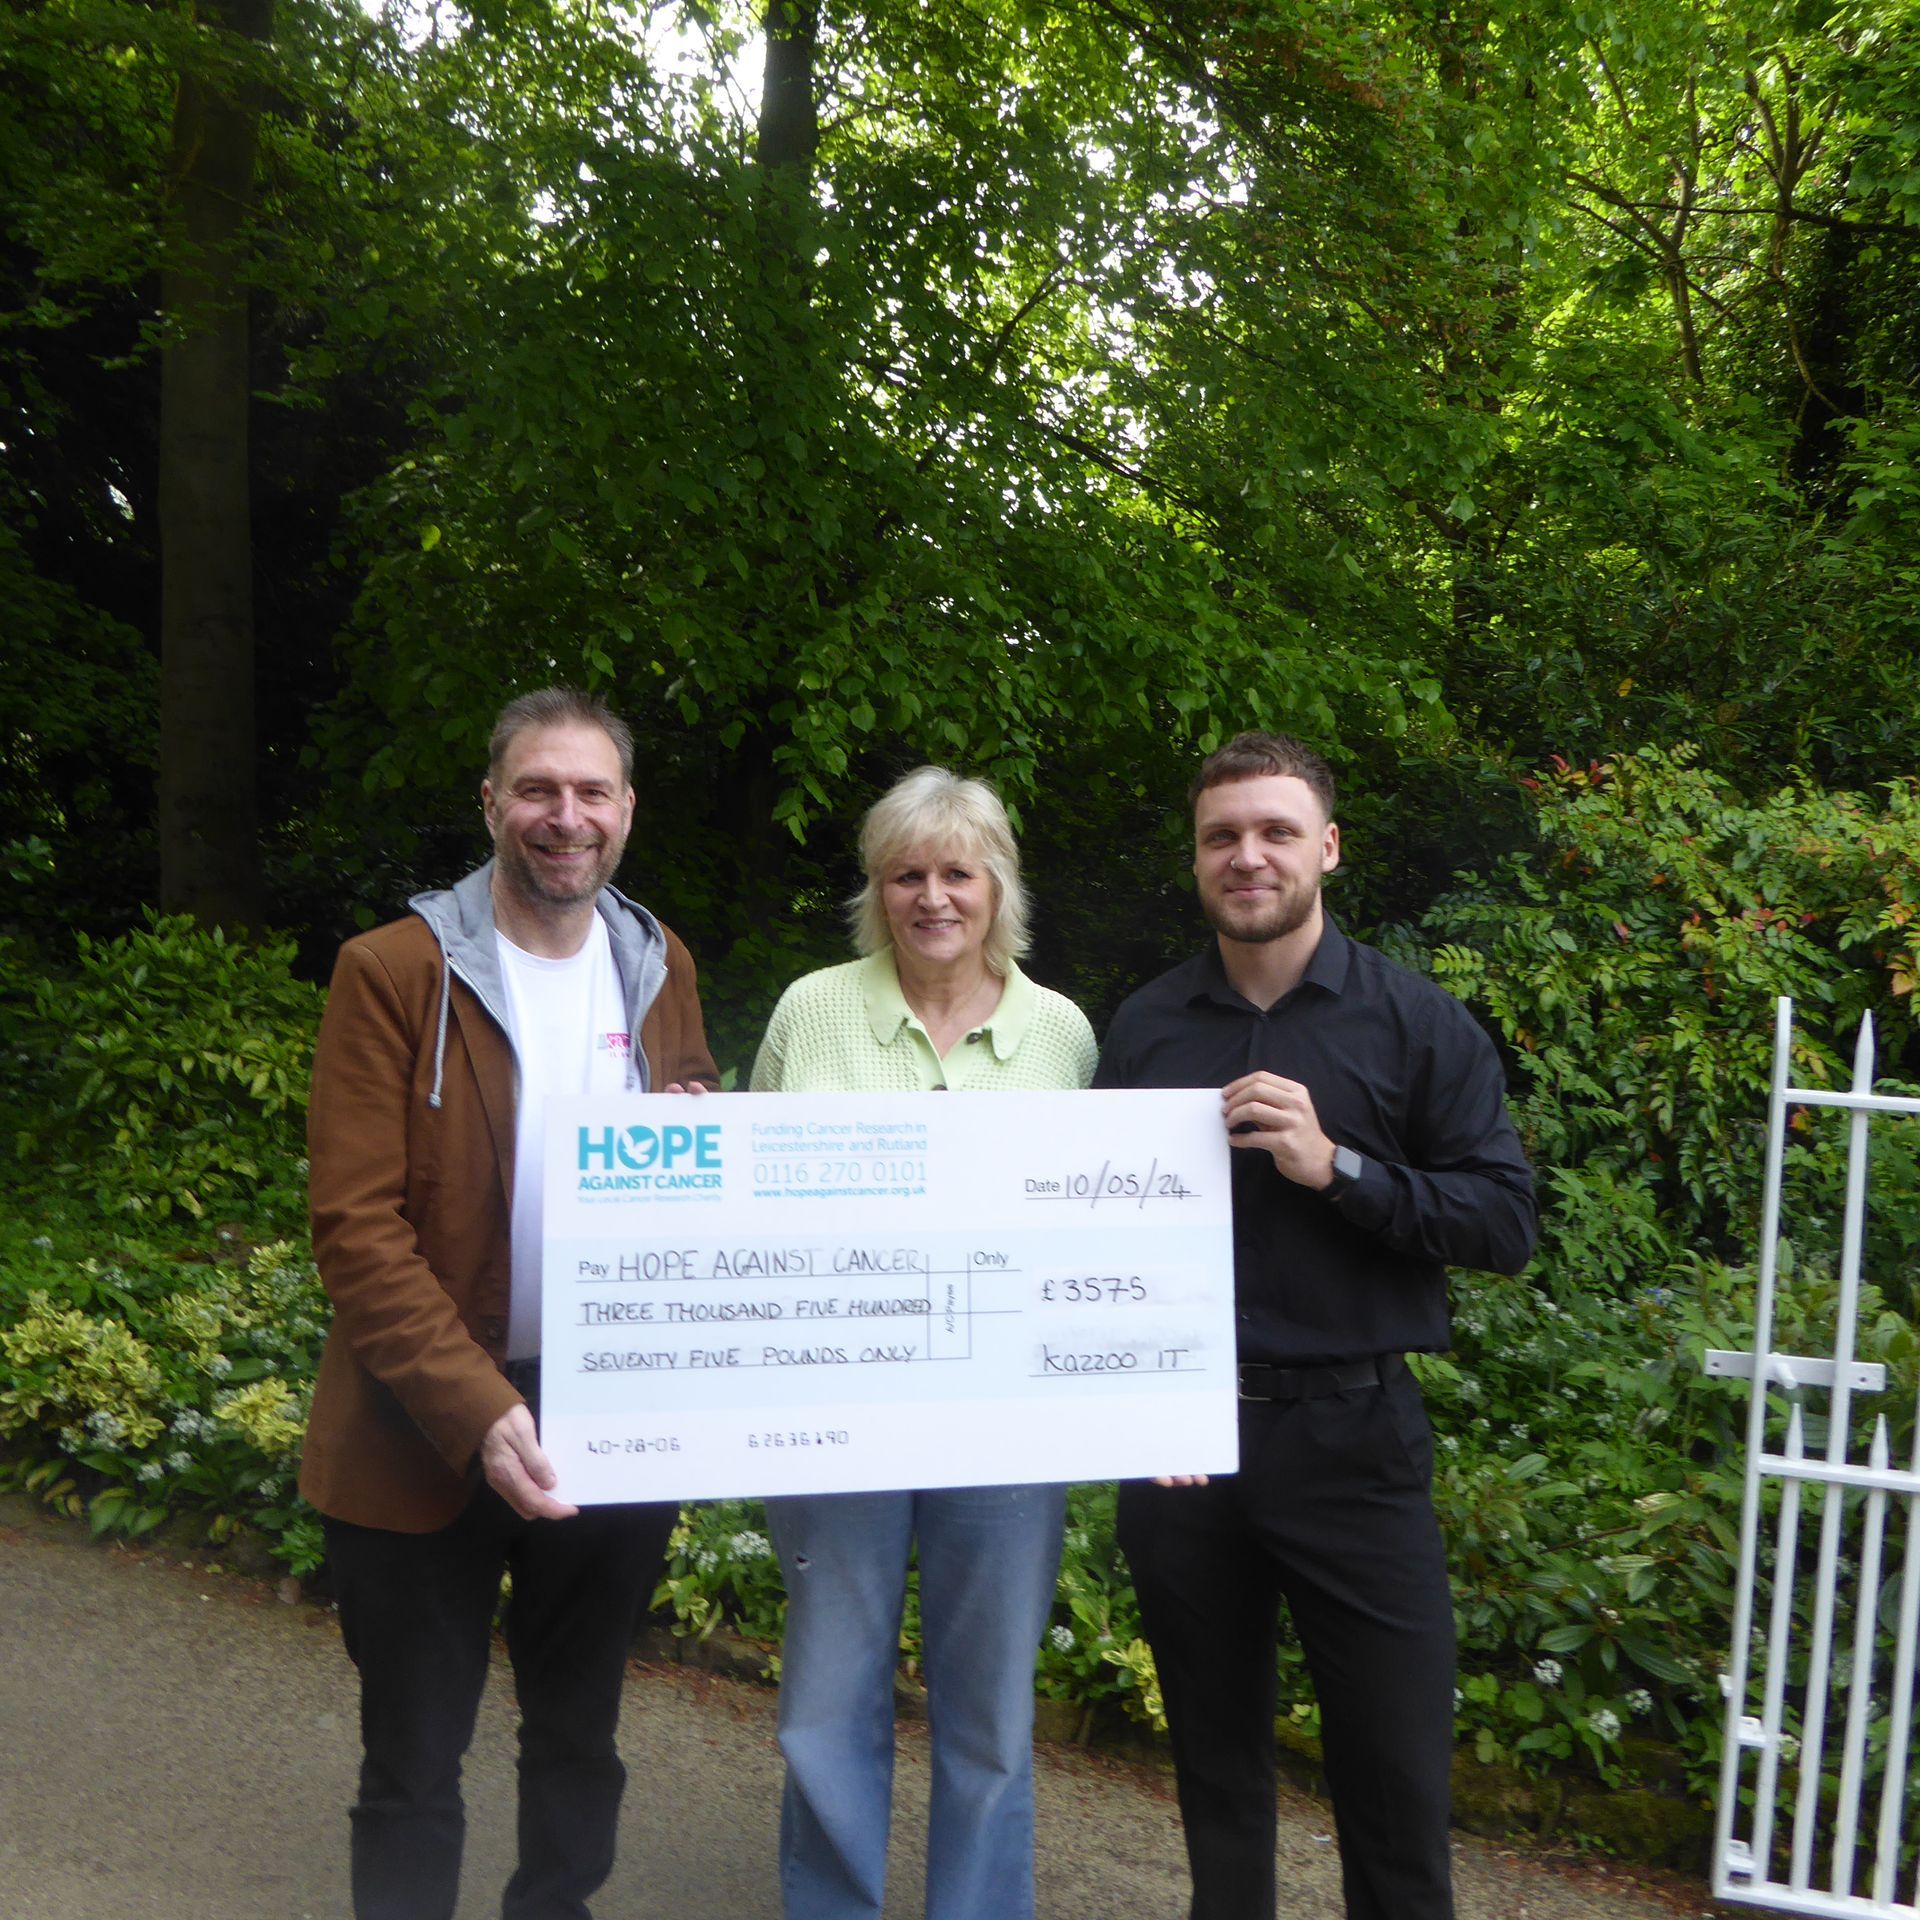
[{"x": 1863, "y": 1056}]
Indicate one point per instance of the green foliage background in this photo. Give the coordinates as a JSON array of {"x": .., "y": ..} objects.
[
  {"x": 1589, "y": 1471},
  {"x": 1525, "y": 402}
]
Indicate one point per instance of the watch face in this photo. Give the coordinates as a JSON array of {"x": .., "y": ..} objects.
[{"x": 1346, "y": 1166}]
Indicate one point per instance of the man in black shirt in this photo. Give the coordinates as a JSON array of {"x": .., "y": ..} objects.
[{"x": 1375, "y": 1149}]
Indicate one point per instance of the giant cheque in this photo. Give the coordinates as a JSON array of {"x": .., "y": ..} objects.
[{"x": 809, "y": 1293}]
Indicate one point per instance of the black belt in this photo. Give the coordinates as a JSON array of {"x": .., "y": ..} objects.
[{"x": 1259, "y": 1381}]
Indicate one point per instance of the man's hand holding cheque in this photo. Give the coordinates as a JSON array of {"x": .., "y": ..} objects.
[
  {"x": 519, "y": 1471},
  {"x": 1265, "y": 1110}
]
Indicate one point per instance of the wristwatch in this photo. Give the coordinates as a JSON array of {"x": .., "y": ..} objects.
[{"x": 1347, "y": 1167}]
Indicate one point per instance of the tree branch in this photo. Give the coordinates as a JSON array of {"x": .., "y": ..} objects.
[
  {"x": 1809, "y": 216},
  {"x": 1002, "y": 337}
]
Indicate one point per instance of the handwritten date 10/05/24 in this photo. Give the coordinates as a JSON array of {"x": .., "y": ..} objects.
[
  {"x": 1094, "y": 1291},
  {"x": 1113, "y": 1183}
]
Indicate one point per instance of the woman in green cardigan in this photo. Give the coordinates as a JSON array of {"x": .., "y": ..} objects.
[{"x": 937, "y": 1001}]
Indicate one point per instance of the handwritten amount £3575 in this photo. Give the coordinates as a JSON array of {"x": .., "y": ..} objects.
[{"x": 1094, "y": 1291}]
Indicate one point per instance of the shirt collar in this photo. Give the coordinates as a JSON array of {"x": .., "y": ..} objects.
[
  {"x": 1327, "y": 970},
  {"x": 1331, "y": 958},
  {"x": 889, "y": 1015}
]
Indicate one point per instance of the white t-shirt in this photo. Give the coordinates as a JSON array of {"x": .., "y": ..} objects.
[{"x": 569, "y": 1025}]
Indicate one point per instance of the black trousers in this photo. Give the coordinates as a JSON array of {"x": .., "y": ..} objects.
[
  {"x": 416, "y": 1611},
  {"x": 1332, "y": 1513}
]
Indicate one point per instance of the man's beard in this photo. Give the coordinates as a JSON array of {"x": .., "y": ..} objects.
[
  {"x": 1286, "y": 913},
  {"x": 523, "y": 875}
]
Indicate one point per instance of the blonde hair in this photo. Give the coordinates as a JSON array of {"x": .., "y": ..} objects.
[{"x": 931, "y": 807}]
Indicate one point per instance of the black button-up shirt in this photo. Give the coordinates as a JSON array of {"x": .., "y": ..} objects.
[{"x": 1399, "y": 1071}]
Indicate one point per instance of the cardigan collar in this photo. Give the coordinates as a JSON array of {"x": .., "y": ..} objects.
[{"x": 889, "y": 1015}]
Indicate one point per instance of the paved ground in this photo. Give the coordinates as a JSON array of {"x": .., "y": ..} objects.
[{"x": 179, "y": 1744}]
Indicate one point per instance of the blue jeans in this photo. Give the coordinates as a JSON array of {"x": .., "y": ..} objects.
[{"x": 989, "y": 1559}]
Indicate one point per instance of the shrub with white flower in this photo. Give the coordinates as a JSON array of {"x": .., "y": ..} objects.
[
  {"x": 1605, "y": 1722},
  {"x": 722, "y": 1570},
  {"x": 1547, "y": 1672},
  {"x": 1062, "y": 1639},
  {"x": 1640, "y": 1701}
]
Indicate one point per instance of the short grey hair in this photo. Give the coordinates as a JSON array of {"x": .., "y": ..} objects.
[
  {"x": 558, "y": 707},
  {"x": 931, "y": 807}
]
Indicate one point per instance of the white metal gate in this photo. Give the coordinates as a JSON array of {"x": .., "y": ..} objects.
[{"x": 1852, "y": 1702}]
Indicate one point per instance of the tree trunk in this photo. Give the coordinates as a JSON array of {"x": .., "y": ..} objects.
[
  {"x": 787, "y": 139},
  {"x": 789, "y": 130},
  {"x": 208, "y": 827}
]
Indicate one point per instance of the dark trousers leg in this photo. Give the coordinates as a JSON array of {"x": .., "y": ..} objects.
[
  {"x": 416, "y": 1613},
  {"x": 1366, "y": 1577},
  {"x": 579, "y": 1587},
  {"x": 1209, "y": 1601},
  {"x": 1332, "y": 1509}
]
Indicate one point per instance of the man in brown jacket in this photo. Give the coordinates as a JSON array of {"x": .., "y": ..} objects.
[{"x": 444, "y": 1034}]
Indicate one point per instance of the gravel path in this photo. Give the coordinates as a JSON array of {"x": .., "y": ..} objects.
[{"x": 182, "y": 1744}]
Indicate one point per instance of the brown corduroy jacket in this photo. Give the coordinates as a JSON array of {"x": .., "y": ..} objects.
[{"x": 410, "y": 1140}]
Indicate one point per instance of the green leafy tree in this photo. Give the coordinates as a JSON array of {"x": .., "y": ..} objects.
[{"x": 819, "y": 458}]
